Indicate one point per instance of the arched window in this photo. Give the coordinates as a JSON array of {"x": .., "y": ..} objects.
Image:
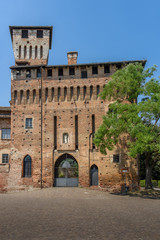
[
  {"x": 78, "y": 92},
  {"x": 91, "y": 92},
  {"x": 52, "y": 94},
  {"x": 27, "y": 166},
  {"x": 41, "y": 51},
  {"x": 15, "y": 96},
  {"x": 59, "y": 93},
  {"x": 46, "y": 94},
  {"x": 98, "y": 90},
  {"x": 28, "y": 93},
  {"x": 25, "y": 51},
  {"x": 35, "y": 52},
  {"x": 19, "y": 52},
  {"x": 71, "y": 89},
  {"x": 34, "y": 95},
  {"x": 84, "y": 92},
  {"x": 65, "y": 138},
  {"x": 65, "y": 93},
  {"x": 30, "y": 52},
  {"x": 21, "y": 96}
]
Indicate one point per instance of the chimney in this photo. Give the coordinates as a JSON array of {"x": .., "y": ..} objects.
[{"x": 72, "y": 57}]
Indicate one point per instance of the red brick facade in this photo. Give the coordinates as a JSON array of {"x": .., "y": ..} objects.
[{"x": 44, "y": 93}]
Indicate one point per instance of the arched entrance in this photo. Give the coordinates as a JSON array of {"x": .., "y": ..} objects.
[
  {"x": 94, "y": 175},
  {"x": 66, "y": 171}
]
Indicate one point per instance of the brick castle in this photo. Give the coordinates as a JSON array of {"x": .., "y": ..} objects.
[{"x": 46, "y": 135}]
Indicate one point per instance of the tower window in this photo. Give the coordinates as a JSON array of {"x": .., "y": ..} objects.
[
  {"x": 49, "y": 73},
  {"x": 65, "y": 138},
  {"x": 59, "y": 93},
  {"x": 78, "y": 92},
  {"x": 28, "y": 123},
  {"x": 98, "y": 90},
  {"x": 21, "y": 96},
  {"x": 19, "y": 52},
  {"x": 15, "y": 97},
  {"x": 60, "y": 71},
  {"x": 84, "y": 92},
  {"x": 118, "y": 66},
  {"x": 65, "y": 93},
  {"x": 84, "y": 74},
  {"x": 71, "y": 89},
  {"x": 5, "y": 158},
  {"x": 46, "y": 94},
  {"x": 41, "y": 51},
  {"x": 91, "y": 92},
  {"x": 39, "y": 33},
  {"x": 52, "y": 94},
  {"x": 28, "y": 74},
  {"x": 116, "y": 158},
  {"x": 34, "y": 95},
  {"x": 28, "y": 93},
  {"x": 24, "y": 33},
  {"x": 71, "y": 71},
  {"x": 106, "y": 69},
  {"x": 95, "y": 70}
]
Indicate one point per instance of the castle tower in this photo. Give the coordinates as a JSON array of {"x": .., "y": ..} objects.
[{"x": 31, "y": 44}]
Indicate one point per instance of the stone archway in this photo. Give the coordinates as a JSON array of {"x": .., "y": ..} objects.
[{"x": 66, "y": 171}]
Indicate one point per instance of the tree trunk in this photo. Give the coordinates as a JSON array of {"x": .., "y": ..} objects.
[{"x": 148, "y": 184}]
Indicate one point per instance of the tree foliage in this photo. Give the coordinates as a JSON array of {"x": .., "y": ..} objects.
[{"x": 138, "y": 119}]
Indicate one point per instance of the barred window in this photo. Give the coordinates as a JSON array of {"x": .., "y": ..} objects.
[
  {"x": 28, "y": 123},
  {"x": 24, "y": 33},
  {"x": 5, "y": 158},
  {"x": 6, "y": 133},
  {"x": 116, "y": 158},
  {"x": 39, "y": 33},
  {"x": 27, "y": 166}
]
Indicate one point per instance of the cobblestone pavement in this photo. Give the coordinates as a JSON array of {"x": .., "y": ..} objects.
[{"x": 77, "y": 213}]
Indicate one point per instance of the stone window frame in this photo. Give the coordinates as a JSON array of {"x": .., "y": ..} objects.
[
  {"x": 65, "y": 134},
  {"x": 28, "y": 123},
  {"x": 5, "y": 158},
  {"x": 3, "y": 135},
  {"x": 27, "y": 165}
]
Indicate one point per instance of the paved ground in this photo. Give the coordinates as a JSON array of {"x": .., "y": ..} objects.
[{"x": 77, "y": 213}]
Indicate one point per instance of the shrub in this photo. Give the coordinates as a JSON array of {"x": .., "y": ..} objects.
[{"x": 142, "y": 183}]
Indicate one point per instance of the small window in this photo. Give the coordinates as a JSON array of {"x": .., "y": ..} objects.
[
  {"x": 84, "y": 74},
  {"x": 65, "y": 138},
  {"x": 116, "y": 158},
  {"x": 28, "y": 74},
  {"x": 6, "y": 133},
  {"x": 65, "y": 93},
  {"x": 5, "y": 158},
  {"x": 21, "y": 96},
  {"x": 71, "y": 71},
  {"x": 28, "y": 123},
  {"x": 95, "y": 70},
  {"x": 78, "y": 92},
  {"x": 30, "y": 52},
  {"x": 27, "y": 166},
  {"x": 71, "y": 92},
  {"x": 52, "y": 94},
  {"x": 49, "y": 73},
  {"x": 118, "y": 66},
  {"x": 98, "y": 91},
  {"x": 60, "y": 71},
  {"x": 84, "y": 92},
  {"x": 39, "y": 33},
  {"x": 46, "y": 94},
  {"x": 35, "y": 51},
  {"x": 59, "y": 94},
  {"x": 18, "y": 73},
  {"x": 106, "y": 69},
  {"x": 91, "y": 92},
  {"x": 28, "y": 95},
  {"x": 38, "y": 73},
  {"x": 41, "y": 51},
  {"x": 34, "y": 95},
  {"x": 24, "y": 33}
]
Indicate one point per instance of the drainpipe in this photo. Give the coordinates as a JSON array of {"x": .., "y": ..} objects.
[{"x": 41, "y": 129}]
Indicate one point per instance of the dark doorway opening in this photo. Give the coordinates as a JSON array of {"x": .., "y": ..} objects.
[{"x": 94, "y": 175}]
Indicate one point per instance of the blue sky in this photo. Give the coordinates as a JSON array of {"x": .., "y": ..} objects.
[{"x": 100, "y": 30}]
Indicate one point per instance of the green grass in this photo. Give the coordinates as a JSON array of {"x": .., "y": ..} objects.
[{"x": 156, "y": 183}]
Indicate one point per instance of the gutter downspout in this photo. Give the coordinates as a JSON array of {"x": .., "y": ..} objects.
[
  {"x": 89, "y": 157},
  {"x": 41, "y": 129}
]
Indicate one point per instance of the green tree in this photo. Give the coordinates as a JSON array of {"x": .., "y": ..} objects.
[{"x": 138, "y": 119}]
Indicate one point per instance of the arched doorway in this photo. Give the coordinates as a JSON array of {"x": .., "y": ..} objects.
[
  {"x": 66, "y": 171},
  {"x": 94, "y": 175}
]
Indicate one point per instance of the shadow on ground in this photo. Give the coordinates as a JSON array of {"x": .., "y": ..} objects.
[{"x": 150, "y": 194}]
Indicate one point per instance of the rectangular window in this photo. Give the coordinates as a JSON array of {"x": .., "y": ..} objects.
[
  {"x": 55, "y": 132},
  {"x": 39, "y": 33},
  {"x": 71, "y": 71},
  {"x": 6, "y": 133},
  {"x": 76, "y": 132},
  {"x": 118, "y": 66},
  {"x": 38, "y": 73},
  {"x": 84, "y": 74},
  {"x": 106, "y": 69},
  {"x": 60, "y": 71},
  {"x": 116, "y": 158},
  {"x": 24, "y": 33},
  {"x": 28, "y": 74},
  {"x": 28, "y": 123},
  {"x": 5, "y": 158},
  {"x": 95, "y": 70},
  {"x": 49, "y": 73}
]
